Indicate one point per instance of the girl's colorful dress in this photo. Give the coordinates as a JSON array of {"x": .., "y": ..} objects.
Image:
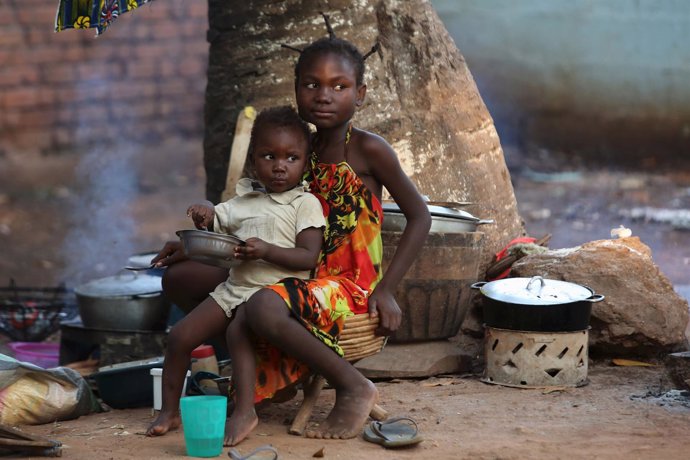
[{"x": 348, "y": 271}]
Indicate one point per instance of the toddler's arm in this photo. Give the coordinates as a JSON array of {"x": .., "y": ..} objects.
[
  {"x": 202, "y": 215},
  {"x": 303, "y": 256}
]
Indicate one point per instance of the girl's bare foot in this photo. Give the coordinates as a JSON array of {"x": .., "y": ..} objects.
[
  {"x": 165, "y": 422},
  {"x": 352, "y": 407},
  {"x": 238, "y": 426}
]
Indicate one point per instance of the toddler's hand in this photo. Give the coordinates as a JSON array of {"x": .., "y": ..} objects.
[
  {"x": 254, "y": 248},
  {"x": 202, "y": 215}
]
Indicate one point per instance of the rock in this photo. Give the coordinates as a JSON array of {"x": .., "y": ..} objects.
[
  {"x": 642, "y": 315},
  {"x": 678, "y": 367}
]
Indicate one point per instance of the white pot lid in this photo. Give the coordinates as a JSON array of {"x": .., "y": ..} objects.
[{"x": 535, "y": 291}]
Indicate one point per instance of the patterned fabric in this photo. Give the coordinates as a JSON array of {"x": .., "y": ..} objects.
[
  {"x": 90, "y": 14},
  {"x": 349, "y": 269}
]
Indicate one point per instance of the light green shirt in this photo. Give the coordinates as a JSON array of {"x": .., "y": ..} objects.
[{"x": 276, "y": 218}]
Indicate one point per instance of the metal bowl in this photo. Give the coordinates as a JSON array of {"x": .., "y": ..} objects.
[{"x": 210, "y": 248}]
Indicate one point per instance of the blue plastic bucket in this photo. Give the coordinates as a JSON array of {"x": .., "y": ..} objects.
[{"x": 203, "y": 421}]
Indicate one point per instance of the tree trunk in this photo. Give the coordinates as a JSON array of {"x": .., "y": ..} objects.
[{"x": 421, "y": 96}]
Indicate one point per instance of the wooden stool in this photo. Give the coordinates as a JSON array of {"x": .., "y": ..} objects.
[{"x": 358, "y": 341}]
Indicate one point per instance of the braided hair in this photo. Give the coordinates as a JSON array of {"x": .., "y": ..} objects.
[{"x": 335, "y": 45}]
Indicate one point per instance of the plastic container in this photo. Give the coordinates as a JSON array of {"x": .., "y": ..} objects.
[
  {"x": 157, "y": 373},
  {"x": 127, "y": 385},
  {"x": 204, "y": 359},
  {"x": 203, "y": 421},
  {"x": 43, "y": 354}
]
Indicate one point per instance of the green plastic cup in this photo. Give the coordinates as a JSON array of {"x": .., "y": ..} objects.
[{"x": 203, "y": 421}]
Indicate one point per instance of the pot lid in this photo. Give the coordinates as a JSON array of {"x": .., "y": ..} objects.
[
  {"x": 141, "y": 260},
  {"x": 439, "y": 210},
  {"x": 124, "y": 284},
  {"x": 535, "y": 291}
]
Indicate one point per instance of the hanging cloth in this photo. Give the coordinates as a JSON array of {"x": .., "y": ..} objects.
[{"x": 92, "y": 14}]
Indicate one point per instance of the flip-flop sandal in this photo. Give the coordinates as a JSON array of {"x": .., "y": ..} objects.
[
  {"x": 266, "y": 452},
  {"x": 393, "y": 433},
  {"x": 196, "y": 387}
]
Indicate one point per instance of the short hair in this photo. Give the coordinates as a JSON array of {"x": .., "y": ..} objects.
[{"x": 280, "y": 117}]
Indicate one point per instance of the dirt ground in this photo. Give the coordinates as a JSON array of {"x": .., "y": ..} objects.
[
  {"x": 621, "y": 413},
  {"x": 53, "y": 230}
]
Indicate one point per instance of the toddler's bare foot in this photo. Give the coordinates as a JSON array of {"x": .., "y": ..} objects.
[
  {"x": 239, "y": 425},
  {"x": 352, "y": 407},
  {"x": 165, "y": 422}
]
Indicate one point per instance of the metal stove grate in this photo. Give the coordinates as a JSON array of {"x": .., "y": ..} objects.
[{"x": 31, "y": 314}]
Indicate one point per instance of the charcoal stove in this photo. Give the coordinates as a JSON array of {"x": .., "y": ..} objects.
[
  {"x": 113, "y": 346},
  {"x": 529, "y": 359}
]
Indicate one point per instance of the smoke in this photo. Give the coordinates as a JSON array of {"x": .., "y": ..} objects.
[{"x": 102, "y": 229}]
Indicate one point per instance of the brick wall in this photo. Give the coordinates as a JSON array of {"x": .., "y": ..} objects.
[{"x": 143, "y": 79}]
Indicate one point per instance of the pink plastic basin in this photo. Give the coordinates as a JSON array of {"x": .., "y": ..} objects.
[{"x": 43, "y": 354}]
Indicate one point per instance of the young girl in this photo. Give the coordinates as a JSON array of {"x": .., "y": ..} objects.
[
  {"x": 282, "y": 224},
  {"x": 348, "y": 170}
]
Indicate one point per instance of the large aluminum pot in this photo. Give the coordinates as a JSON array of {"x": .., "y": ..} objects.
[
  {"x": 537, "y": 304},
  {"x": 444, "y": 219},
  {"x": 127, "y": 301}
]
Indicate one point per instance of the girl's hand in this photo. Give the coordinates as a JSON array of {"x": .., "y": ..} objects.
[
  {"x": 383, "y": 304},
  {"x": 202, "y": 215},
  {"x": 171, "y": 253},
  {"x": 255, "y": 248}
]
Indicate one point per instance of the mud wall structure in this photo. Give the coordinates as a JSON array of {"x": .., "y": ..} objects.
[{"x": 143, "y": 79}]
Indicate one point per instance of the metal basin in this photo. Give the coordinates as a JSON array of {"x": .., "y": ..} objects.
[
  {"x": 395, "y": 222},
  {"x": 444, "y": 219}
]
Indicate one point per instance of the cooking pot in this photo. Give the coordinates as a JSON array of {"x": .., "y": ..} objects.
[
  {"x": 445, "y": 218},
  {"x": 127, "y": 301},
  {"x": 537, "y": 304}
]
